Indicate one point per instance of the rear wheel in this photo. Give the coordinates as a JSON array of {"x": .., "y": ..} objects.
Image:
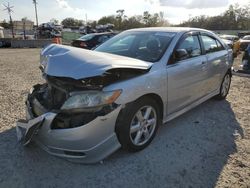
[
  {"x": 224, "y": 89},
  {"x": 137, "y": 124}
]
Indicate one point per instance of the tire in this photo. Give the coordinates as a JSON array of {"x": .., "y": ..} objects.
[
  {"x": 224, "y": 88},
  {"x": 135, "y": 128}
]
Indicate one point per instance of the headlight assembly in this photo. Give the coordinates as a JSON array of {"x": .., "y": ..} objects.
[{"x": 90, "y": 100}]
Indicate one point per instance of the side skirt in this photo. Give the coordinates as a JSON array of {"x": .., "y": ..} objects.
[{"x": 189, "y": 107}]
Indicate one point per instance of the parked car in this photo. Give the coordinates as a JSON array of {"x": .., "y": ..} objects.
[
  {"x": 94, "y": 102},
  {"x": 233, "y": 42},
  {"x": 86, "y": 30},
  {"x": 48, "y": 30},
  {"x": 228, "y": 42},
  {"x": 243, "y": 33},
  {"x": 92, "y": 40},
  {"x": 232, "y": 38},
  {"x": 246, "y": 59},
  {"x": 244, "y": 42}
]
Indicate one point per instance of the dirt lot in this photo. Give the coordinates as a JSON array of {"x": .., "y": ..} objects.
[{"x": 206, "y": 147}]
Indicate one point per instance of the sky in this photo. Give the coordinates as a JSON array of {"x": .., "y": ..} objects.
[{"x": 175, "y": 11}]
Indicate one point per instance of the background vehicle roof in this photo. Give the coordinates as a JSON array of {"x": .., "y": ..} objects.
[
  {"x": 104, "y": 33},
  {"x": 246, "y": 36},
  {"x": 229, "y": 36}
]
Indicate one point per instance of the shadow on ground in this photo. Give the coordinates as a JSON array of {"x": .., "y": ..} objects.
[{"x": 189, "y": 151}]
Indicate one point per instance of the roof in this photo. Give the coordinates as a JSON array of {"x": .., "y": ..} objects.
[{"x": 169, "y": 29}]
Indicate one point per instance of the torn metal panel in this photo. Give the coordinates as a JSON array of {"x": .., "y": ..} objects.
[
  {"x": 43, "y": 99},
  {"x": 27, "y": 129}
]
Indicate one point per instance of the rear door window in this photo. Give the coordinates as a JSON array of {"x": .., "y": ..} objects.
[{"x": 211, "y": 44}]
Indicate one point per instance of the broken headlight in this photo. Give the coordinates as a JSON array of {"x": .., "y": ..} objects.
[{"x": 90, "y": 100}]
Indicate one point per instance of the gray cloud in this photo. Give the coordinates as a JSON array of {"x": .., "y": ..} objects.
[{"x": 191, "y": 4}]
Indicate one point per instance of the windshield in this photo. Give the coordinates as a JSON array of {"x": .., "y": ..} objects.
[
  {"x": 87, "y": 37},
  {"x": 147, "y": 46}
]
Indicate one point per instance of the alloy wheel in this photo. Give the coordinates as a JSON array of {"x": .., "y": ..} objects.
[
  {"x": 143, "y": 125},
  {"x": 225, "y": 85}
]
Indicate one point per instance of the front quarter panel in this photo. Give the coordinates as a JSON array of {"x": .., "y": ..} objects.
[{"x": 153, "y": 81}]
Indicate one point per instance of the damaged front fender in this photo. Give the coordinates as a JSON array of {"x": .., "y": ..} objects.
[{"x": 27, "y": 129}]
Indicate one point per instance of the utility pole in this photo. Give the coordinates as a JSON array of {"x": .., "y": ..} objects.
[
  {"x": 35, "y": 3},
  {"x": 24, "y": 27},
  {"x": 9, "y": 9}
]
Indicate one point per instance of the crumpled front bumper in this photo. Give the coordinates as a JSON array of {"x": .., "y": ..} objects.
[{"x": 88, "y": 143}]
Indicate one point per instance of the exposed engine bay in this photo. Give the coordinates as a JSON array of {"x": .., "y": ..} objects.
[{"x": 50, "y": 96}]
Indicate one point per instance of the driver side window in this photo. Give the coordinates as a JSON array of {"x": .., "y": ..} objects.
[{"x": 190, "y": 46}]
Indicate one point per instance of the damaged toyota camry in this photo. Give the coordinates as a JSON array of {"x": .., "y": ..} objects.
[{"x": 95, "y": 102}]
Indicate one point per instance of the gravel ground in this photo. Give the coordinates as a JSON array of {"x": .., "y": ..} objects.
[{"x": 206, "y": 147}]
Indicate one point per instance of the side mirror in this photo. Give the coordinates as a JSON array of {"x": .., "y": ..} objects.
[{"x": 181, "y": 54}]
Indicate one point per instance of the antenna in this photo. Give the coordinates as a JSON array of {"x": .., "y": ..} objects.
[{"x": 9, "y": 9}]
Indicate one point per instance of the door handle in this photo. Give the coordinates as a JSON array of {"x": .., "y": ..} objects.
[{"x": 203, "y": 66}]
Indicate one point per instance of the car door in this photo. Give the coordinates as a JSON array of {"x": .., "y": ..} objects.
[
  {"x": 186, "y": 75},
  {"x": 217, "y": 57}
]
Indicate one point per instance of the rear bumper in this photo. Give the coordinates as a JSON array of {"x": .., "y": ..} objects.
[{"x": 88, "y": 143}]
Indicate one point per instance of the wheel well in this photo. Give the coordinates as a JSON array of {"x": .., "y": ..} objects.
[
  {"x": 157, "y": 99},
  {"x": 154, "y": 96}
]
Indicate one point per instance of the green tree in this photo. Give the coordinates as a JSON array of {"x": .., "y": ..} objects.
[
  {"x": 122, "y": 22},
  {"x": 72, "y": 22},
  {"x": 235, "y": 17},
  {"x": 107, "y": 19},
  {"x": 133, "y": 22},
  {"x": 120, "y": 16},
  {"x": 92, "y": 24},
  {"x": 5, "y": 24},
  {"x": 54, "y": 21},
  {"x": 146, "y": 18}
]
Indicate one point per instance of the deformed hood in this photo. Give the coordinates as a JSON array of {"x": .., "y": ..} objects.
[{"x": 66, "y": 61}]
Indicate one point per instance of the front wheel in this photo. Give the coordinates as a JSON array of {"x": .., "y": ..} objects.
[
  {"x": 224, "y": 88},
  {"x": 137, "y": 124}
]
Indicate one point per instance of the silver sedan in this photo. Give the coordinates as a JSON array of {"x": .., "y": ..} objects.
[{"x": 94, "y": 102}]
